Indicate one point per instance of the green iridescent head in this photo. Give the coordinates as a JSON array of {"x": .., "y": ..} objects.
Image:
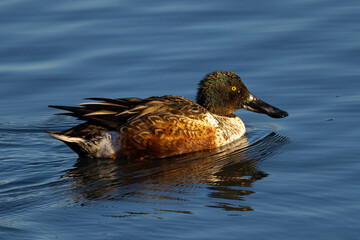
[{"x": 222, "y": 93}]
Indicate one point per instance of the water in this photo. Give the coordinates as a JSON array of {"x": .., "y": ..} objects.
[{"x": 293, "y": 178}]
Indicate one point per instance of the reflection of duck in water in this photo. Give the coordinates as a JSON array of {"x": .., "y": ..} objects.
[
  {"x": 225, "y": 174},
  {"x": 159, "y": 127}
]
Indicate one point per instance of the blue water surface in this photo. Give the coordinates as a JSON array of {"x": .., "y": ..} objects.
[{"x": 291, "y": 178}]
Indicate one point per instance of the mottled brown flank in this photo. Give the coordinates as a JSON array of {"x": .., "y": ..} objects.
[{"x": 163, "y": 136}]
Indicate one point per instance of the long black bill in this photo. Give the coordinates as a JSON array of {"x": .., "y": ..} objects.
[{"x": 257, "y": 105}]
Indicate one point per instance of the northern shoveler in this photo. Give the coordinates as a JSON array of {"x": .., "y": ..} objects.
[{"x": 158, "y": 127}]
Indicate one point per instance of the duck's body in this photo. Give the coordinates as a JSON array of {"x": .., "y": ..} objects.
[{"x": 158, "y": 127}]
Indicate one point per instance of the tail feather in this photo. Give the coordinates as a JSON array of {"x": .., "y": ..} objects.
[
  {"x": 104, "y": 146},
  {"x": 75, "y": 111},
  {"x": 64, "y": 138},
  {"x": 75, "y": 143}
]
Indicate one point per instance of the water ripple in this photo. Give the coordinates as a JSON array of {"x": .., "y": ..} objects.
[{"x": 224, "y": 174}]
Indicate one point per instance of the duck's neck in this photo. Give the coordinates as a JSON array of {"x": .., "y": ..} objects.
[{"x": 216, "y": 107}]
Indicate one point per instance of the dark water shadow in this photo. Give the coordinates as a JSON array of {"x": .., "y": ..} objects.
[{"x": 225, "y": 175}]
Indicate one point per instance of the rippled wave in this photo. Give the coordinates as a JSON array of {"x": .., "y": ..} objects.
[{"x": 226, "y": 175}]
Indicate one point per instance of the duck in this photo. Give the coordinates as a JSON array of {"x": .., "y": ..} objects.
[{"x": 166, "y": 126}]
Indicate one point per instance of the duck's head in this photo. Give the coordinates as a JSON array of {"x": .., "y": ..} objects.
[{"x": 223, "y": 93}]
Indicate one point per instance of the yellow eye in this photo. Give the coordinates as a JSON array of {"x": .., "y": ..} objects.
[{"x": 233, "y": 88}]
